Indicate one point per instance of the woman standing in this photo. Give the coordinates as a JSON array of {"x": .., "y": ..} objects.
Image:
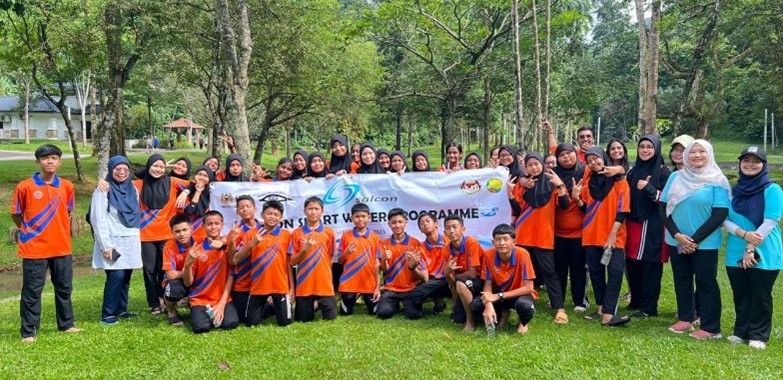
[
  {"x": 618, "y": 153},
  {"x": 198, "y": 204},
  {"x": 398, "y": 164},
  {"x": 644, "y": 250},
  {"x": 316, "y": 166},
  {"x": 694, "y": 204},
  {"x": 677, "y": 150},
  {"x": 115, "y": 219},
  {"x": 300, "y": 164},
  {"x": 369, "y": 161},
  {"x": 453, "y": 158},
  {"x": 754, "y": 254},
  {"x": 473, "y": 161},
  {"x": 384, "y": 159},
  {"x": 421, "y": 161},
  {"x": 234, "y": 171},
  {"x": 181, "y": 168},
  {"x": 341, "y": 161}
]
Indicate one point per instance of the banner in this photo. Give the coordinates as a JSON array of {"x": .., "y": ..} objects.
[{"x": 479, "y": 196}]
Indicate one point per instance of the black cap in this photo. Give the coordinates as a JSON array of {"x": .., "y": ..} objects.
[{"x": 756, "y": 151}]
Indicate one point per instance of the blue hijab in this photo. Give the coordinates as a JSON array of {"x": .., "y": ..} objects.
[
  {"x": 122, "y": 195},
  {"x": 748, "y": 195}
]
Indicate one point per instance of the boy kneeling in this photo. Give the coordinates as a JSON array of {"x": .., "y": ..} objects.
[{"x": 508, "y": 281}]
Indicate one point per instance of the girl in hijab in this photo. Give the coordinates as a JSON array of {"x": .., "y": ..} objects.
[
  {"x": 754, "y": 253},
  {"x": 421, "y": 161},
  {"x": 116, "y": 219},
  {"x": 473, "y": 161},
  {"x": 644, "y": 248},
  {"x": 569, "y": 254},
  {"x": 538, "y": 199},
  {"x": 234, "y": 171},
  {"x": 453, "y": 157},
  {"x": 300, "y": 164},
  {"x": 214, "y": 164},
  {"x": 181, "y": 169},
  {"x": 384, "y": 159},
  {"x": 285, "y": 170},
  {"x": 316, "y": 166},
  {"x": 198, "y": 204},
  {"x": 507, "y": 156},
  {"x": 693, "y": 206},
  {"x": 369, "y": 161},
  {"x": 340, "y": 163},
  {"x": 677, "y": 150},
  {"x": 605, "y": 203},
  {"x": 398, "y": 164}
]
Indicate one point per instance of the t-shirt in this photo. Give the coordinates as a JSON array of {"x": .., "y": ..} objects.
[
  {"x": 541, "y": 220},
  {"x": 398, "y": 277},
  {"x": 241, "y": 271},
  {"x": 174, "y": 254},
  {"x": 434, "y": 257},
  {"x": 269, "y": 263},
  {"x": 360, "y": 268},
  {"x": 506, "y": 277},
  {"x": 568, "y": 222},
  {"x": 600, "y": 215},
  {"x": 314, "y": 273},
  {"x": 771, "y": 250},
  {"x": 210, "y": 272},
  {"x": 155, "y": 222},
  {"x": 46, "y": 219},
  {"x": 469, "y": 254},
  {"x": 692, "y": 212}
]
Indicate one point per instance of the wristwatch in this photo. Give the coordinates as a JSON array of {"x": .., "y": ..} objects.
[{"x": 500, "y": 295}]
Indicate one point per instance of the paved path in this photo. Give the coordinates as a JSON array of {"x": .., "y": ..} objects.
[{"x": 6, "y": 155}]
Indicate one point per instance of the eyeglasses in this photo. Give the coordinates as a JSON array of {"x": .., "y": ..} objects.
[{"x": 678, "y": 150}]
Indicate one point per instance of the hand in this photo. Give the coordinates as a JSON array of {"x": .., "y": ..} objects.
[
  {"x": 200, "y": 187},
  {"x": 754, "y": 238},
  {"x": 194, "y": 253},
  {"x": 227, "y": 139},
  {"x": 329, "y": 176},
  {"x": 553, "y": 178},
  {"x": 341, "y": 172},
  {"x": 642, "y": 183},
  {"x": 103, "y": 186},
  {"x": 258, "y": 172},
  {"x": 510, "y": 185},
  {"x": 376, "y": 295},
  {"x": 748, "y": 259},
  {"x": 308, "y": 243},
  {"x": 413, "y": 257},
  {"x": 611, "y": 171},
  {"x": 576, "y": 190},
  {"x": 452, "y": 266},
  {"x": 611, "y": 241},
  {"x": 182, "y": 200},
  {"x": 107, "y": 254},
  {"x": 688, "y": 245},
  {"x": 527, "y": 183},
  {"x": 387, "y": 253},
  {"x": 547, "y": 126},
  {"x": 257, "y": 238},
  {"x": 219, "y": 309},
  {"x": 216, "y": 243},
  {"x": 489, "y": 297},
  {"x": 308, "y": 179},
  {"x": 351, "y": 248},
  {"x": 489, "y": 314},
  {"x": 236, "y": 229}
]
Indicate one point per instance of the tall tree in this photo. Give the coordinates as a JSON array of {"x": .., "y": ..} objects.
[{"x": 648, "y": 65}]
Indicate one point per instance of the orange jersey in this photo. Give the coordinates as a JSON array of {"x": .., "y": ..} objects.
[
  {"x": 174, "y": 254},
  {"x": 600, "y": 215},
  {"x": 210, "y": 272},
  {"x": 398, "y": 277},
  {"x": 241, "y": 271},
  {"x": 535, "y": 226},
  {"x": 155, "y": 222},
  {"x": 314, "y": 274},
  {"x": 354, "y": 167},
  {"x": 434, "y": 257},
  {"x": 269, "y": 264},
  {"x": 46, "y": 221},
  {"x": 360, "y": 268},
  {"x": 468, "y": 255},
  {"x": 568, "y": 222},
  {"x": 506, "y": 277}
]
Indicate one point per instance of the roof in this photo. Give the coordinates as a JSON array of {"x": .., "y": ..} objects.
[
  {"x": 183, "y": 123},
  {"x": 40, "y": 104}
]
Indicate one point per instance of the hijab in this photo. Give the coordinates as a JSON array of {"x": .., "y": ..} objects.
[
  {"x": 185, "y": 176},
  {"x": 340, "y": 163},
  {"x": 465, "y": 162},
  {"x": 513, "y": 170},
  {"x": 382, "y": 152},
  {"x": 575, "y": 173},
  {"x": 155, "y": 192},
  {"x": 541, "y": 193},
  {"x": 203, "y": 200},
  {"x": 122, "y": 195},
  {"x": 641, "y": 206},
  {"x": 600, "y": 185},
  {"x": 402, "y": 156},
  {"x": 748, "y": 195},
  {"x": 690, "y": 180},
  {"x": 310, "y": 172},
  {"x": 232, "y": 178},
  {"x": 374, "y": 167},
  {"x": 300, "y": 173},
  {"x": 426, "y": 157}
]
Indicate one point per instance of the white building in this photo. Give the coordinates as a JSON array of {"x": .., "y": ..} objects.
[{"x": 45, "y": 120}]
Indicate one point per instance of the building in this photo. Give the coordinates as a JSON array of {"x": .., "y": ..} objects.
[{"x": 45, "y": 120}]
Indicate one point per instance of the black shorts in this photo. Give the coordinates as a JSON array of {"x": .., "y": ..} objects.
[
  {"x": 475, "y": 285},
  {"x": 174, "y": 290}
]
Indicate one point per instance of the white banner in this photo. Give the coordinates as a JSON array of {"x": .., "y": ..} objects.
[{"x": 479, "y": 196}]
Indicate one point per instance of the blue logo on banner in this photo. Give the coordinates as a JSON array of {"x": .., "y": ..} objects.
[
  {"x": 340, "y": 194},
  {"x": 488, "y": 212}
]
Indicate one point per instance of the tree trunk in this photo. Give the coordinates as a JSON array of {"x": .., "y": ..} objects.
[
  {"x": 648, "y": 67},
  {"x": 27, "y": 111},
  {"x": 517, "y": 71},
  {"x": 69, "y": 129},
  {"x": 537, "y": 120},
  {"x": 548, "y": 56},
  {"x": 100, "y": 140},
  {"x": 487, "y": 115},
  {"x": 397, "y": 126}
]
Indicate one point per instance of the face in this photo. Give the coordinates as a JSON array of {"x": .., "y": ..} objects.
[
  {"x": 677, "y": 151},
  {"x": 313, "y": 212},
  {"x": 421, "y": 163},
  {"x": 534, "y": 167},
  {"x": 396, "y": 163},
  {"x": 246, "y": 210},
  {"x": 235, "y": 168},
  {"x": 213, "y": 164},
  {"x": 272, "y": 217},
  {"x": 646, "y": 150},
  {"x": 751, "y": 165},
  {"x": 503, "y": 243},
  {"x": 472, "y": 162},
  {"x": 453, "y": 155},
  {"x": 180, "y": 167},
  {"x": 213, "y": 224},
  {"x": 427, "y": 224},
  {"x": 697, "y": 156},
  {"x": 299, "y": 162},
  {"x": 566, "y": 159},
  {"x": 551, "y": 162},
  {"x": 398, "y": 224},
  {"x": 494, "y": 155},
  {"x": 360, "y": 219},
  {"x": 285, "y": 170},
  {"x": 201, "y": 177},
  {"x": 616, "y": 151},
  {"x": 368, "y": 156},
  {"x": 595, "y": 163},
  {"x": 585, "y": 140},
  {"x": 355, "y": 154},
  {"x": 454, "y": 230},
  {"x": 338, "y": 149},
  {"x": 384, "y": 161},
  {"x": 157, "y": 169},
  {"x": 182, "y": 233},
  {"x": 505, "y": 157},
  {"x": 521, "y": 159},
  {"x": 317, "y": 165},
  {"x": 120, "y": 173}
]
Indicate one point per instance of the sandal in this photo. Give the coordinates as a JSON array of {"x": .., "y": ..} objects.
[
  {"x": 591, "y": 316},
  {"x": 155, "y": 311},
  {"x": 176, "y": 321},
  {"x": 616, "y": 321},
  {"x": 561, "y": 318}
]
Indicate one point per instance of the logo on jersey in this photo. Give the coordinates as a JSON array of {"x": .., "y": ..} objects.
[
  {"x": 340, "y": 194},
  {"x": 37, "y": 195}
]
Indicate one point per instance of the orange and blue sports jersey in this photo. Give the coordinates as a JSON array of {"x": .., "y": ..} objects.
[
  {"x": 469, "y": 254},
  {"x": 434, "y": 257},
  {"x": 506, "y": 277},
  {"x": 241, "y": 271},
  {"x": 600, "y": 215},
  {"x": 210, "y": 272},
  {"x": 269, "y": 263},
  {"x": 46, "y": 220},
  {"x": 535, "y": 227},
  {"x": 360, "y": 273},
  {"x": 398, "y": 277},
  {"x": 314, "y": 274},
  {"x": 174, "y": 254},
  {"x": 155, "y": 222}
]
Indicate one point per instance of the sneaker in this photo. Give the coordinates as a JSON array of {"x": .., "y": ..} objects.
[
  {"x": 640, "y": 315},
  {"x": 701, "y": 334},
  {"x": 128, "y": 315},
  {"x": 681, "y": 327},
  {"x": 579, "y": 309},
  {"x": 109, "y": 321},
  {"x": 736, "y": 340},
  {"x": 758, "y": 344}
]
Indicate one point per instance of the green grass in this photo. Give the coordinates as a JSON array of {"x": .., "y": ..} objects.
[{"x": 19, "y": 145}]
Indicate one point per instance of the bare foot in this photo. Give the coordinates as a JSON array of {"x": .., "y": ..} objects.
[
  {"x": 73, "y": 330},
  {"x": 522, "y": 329},
  {"x": 29, "y": 339},
  {"x": 469, "y": 327}
]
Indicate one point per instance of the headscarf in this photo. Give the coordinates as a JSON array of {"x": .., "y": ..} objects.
[
  {"x": 465, "y": 162},
  {"x": 379, "y": 153},
  {"x": 641, "y": 207},
  {"x": 122, "y": 195},
  {"x": 748, "y": 194},
  {"x": 155, "y": 192},
  {"x": 203, "y": 200},
  {"x": 402, "y": 156},
  {"x": 340, "y": 163},
  {"x": 300, "y": 173},
  {"x": 541, "y": 193},
  {"x": 574, "y": 174},
  {"x": 374, "y": 167},
  {"x": 690, "y": 179},
  {"x": 513, "y": 170},
  {"x": 624, "y": 161},
  {"x": 185, "y": 176},
  {"x": 683, "y": 140},
  {"x": 600, "y": 185},
  {"x": 310, "y": 172},
  {"x": 232, "y": 178},
  {"x": 426, "y": 157}
]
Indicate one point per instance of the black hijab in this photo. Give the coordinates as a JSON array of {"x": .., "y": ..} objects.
[
  {"x": 541, "y": 193},
  {"x": 599, "y": 184},
  {"x": 383, "y": 152},
  {"x": 514, "y": 170},
  {"x": 748, "y": 194},
  {"x": 310, "y": 172},
  {"x": 185, "y": 176},
  {"x": 122, "y": 195},
  {"x": 641, "y": 206},
  {"x": 402, "y": 156},
  {"x": 155, "y": 192},
  {"x": 465, "y": 162},
  {"x": 340, "y": 163},
  {"x": 203, "y": 200},
  {"x": 426, "y": 157},
  {"x": 374, "y": 167},
  {"x": 300, "y": 173},
  {"x": 575, "y": 173},
  {"x": 232, "y": 178}
]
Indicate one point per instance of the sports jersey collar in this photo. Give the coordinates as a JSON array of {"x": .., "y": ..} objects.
[
  {"x": 306, "y": 229},
  {"x": 276, "y": 231},
  {"x": 246, "y": 227},
  {"x": 513, "y": 261},
  {"x": 183, "y": 249},
  {"x": 404, "y": 240},
  {"x": 39, "y": 182},
  {"x": 461, "y": 247},
  {"x": 357, "y": 235},
  {"x": 439, "y": 244}
]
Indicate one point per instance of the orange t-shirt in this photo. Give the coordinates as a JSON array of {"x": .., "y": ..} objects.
[
  {"x": 398, "y": 277},
  {"x": 434, "y": 257},
  {"x": 314, "y": 273},
  {"x": 506, "y": 277},
  {"x": 155, "y": 222},
  {"x": 600, "y": 215},
  {"x": 354, "y": 167},
  {"x": 46, "y": 217},
  {"x": 535, "y": 226},
  {"x": 468, "y": 255},
  {"x": 210, "y": 272},
  {"x": 174, "y": 254},
  {"x": 360, "y": 268},
  {"x": 241, "y": 271},
  {"x": 269, "y": 263}
]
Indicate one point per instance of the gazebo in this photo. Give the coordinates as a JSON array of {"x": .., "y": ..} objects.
[{"x": 184, "y": 125}]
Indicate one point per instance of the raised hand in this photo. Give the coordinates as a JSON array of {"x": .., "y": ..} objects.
[
  {"x": 554, "y": 179},
  {"x": 642, "y": 183},
  {"x": 576, "y": 191},
  {"x": 308, "y": 243}
]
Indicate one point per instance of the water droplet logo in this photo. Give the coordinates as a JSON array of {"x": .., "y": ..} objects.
[{"x": 340, "y": 194}]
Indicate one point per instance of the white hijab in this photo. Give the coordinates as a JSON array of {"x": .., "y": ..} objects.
[{"x": 690, "y": 180}]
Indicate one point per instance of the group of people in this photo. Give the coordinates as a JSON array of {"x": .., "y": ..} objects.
[{"x": 577, "y": 207}]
